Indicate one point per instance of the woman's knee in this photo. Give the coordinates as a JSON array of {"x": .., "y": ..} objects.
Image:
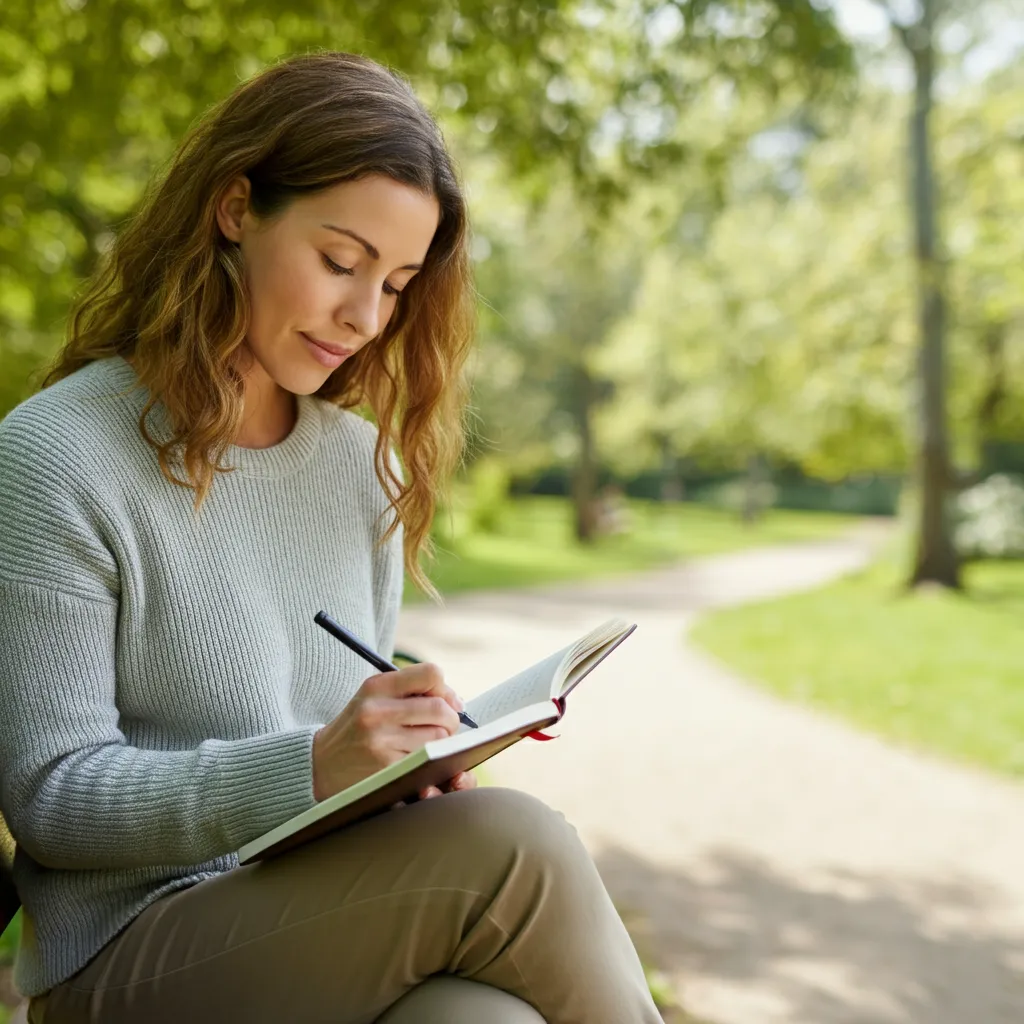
[
  {"x": 510, "y": 811},
  {"x": 514, "y": 822},
  {"x": 447, "y": 999}
]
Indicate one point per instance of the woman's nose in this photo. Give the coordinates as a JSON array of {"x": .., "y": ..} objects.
[{"x": 361, "y": 311}]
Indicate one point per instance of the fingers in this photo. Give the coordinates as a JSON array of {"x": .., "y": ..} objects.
[
  {"x": 431, "y": 717},
  {"x": 412, "y": 711},
  {"x": 463, "y": 780},
  {"x": 416, "y": 736},
  {"x": 425, "y": 679}
]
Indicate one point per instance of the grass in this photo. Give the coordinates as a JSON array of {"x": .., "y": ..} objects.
[
  {"x": 935, "y": 671},
  {"x": 535, "y": 543},
  {"x": 8, "y": 945},
  {"x": 9, "y": 940}
]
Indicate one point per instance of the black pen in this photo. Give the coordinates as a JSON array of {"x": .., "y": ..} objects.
[{"x": 354, "y": 644}]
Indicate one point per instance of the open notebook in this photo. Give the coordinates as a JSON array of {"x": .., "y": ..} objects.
[{"x": 522, "y": 704}]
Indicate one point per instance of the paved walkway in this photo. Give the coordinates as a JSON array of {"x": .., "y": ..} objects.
[{"x": 779, "y": 866}]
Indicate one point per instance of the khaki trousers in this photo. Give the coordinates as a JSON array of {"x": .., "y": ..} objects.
[{"x": 476, "y": 907}]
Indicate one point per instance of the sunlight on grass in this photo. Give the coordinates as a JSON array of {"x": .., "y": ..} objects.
[
  {"x": 535, "y": 544},
  {"x": 934, "y": 670}
]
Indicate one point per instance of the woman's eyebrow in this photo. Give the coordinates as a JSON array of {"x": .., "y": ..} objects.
[{"x": 370, "y": 249}]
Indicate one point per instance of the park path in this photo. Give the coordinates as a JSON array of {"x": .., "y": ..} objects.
[{"x": 779, "y": 866}]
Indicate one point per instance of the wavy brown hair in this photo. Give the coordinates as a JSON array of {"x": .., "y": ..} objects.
[{"x": 171, "y": 292}]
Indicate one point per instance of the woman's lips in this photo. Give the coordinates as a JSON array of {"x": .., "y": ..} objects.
[{"x": 327, "y": 355}]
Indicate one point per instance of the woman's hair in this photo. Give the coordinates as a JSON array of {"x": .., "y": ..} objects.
[{"x": 171, "y": 293}]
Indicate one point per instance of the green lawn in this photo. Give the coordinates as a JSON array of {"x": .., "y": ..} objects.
[
  {"x": 8, "y": 941},
  {"x": 8, "y": 944},
  {"x": 535, "y": 544},
  {"x": 936, "y": 671}
]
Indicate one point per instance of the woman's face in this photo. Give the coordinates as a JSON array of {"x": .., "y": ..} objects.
[{"x": 329, "y": 269}]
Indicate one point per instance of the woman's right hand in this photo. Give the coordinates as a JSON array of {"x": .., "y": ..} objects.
[{"x": 391, "y": 715}]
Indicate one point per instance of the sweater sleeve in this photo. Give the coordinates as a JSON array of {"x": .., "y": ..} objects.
[{"x": 74, "y": 792}]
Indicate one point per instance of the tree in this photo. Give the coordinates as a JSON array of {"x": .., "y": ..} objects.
[
  {"x": 981, "y": 152},
  {"x": 778, "y": 322},
  {"x": 935, "y": 556},
  {"x": 785, "y": 322},
  {"x": 95, "y": 95},
  {"x": 559, "y": 292}
]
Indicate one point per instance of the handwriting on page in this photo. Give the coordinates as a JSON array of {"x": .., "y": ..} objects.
[{"x": 531, "y": 686}]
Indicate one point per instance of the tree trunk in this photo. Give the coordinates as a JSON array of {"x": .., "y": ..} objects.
[
  {"x": 935, "y": 559},
  {"x": 584, "y": 479}
]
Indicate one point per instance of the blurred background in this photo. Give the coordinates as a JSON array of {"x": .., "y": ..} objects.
[{"x": 750, "y": 272}]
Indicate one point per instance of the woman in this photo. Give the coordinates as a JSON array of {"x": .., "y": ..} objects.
[{"x": 165, "y": 696}]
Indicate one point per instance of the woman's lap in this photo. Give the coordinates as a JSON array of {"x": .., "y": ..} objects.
[{"x": 488, "y": 884}]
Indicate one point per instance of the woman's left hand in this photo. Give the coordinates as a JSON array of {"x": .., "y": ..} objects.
[{"x": 464, "y": 780}]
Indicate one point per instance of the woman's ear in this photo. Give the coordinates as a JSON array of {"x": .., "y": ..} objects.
[{"x": 232, "y": 206}]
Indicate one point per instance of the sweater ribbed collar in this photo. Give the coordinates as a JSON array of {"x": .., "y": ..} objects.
[{"x": 281, "y": 459}]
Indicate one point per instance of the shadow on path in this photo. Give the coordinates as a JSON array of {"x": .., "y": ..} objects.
[{"x": 741, "y": 921}]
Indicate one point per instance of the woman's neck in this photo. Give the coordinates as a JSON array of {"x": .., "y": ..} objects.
[
  {"x": 269, "y": 427},
  {"x": 270, "y": 411}
]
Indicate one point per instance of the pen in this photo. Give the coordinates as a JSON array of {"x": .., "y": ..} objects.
[{"x": 354, "y": 644}]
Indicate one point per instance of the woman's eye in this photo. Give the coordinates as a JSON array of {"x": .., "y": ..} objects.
[{"x": 333, "y": 267}]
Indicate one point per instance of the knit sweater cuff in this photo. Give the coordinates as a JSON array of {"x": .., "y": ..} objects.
[{"x": 263, "y": 781}]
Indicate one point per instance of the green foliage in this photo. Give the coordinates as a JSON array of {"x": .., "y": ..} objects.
[
  {"x": 935, "y": 670},
  {"x": 488, "y": 487},
  {"x": 784, "y": 324},
  {"x": 761, "y": 345},
  {"x": 866, "y": 496},
  {"x": 95, "y": 96}
]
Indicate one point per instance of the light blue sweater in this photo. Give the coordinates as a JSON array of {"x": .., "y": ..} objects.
[{"x": 161, "y": 676}]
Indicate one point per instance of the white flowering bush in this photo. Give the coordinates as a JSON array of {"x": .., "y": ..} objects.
[{"x": 990, "y": 518}]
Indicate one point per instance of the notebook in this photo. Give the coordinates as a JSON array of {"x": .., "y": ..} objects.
[{"x": 521, "y": 706}]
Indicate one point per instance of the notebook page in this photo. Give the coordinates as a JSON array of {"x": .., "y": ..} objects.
[
  {"x": 581, "y": 668},
  {"x": 531, "y": 686},
  {"x": 584, "y": 653}
]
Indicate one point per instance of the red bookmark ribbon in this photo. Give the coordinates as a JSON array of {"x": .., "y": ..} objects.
[{"x": 559, "y": 703}]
